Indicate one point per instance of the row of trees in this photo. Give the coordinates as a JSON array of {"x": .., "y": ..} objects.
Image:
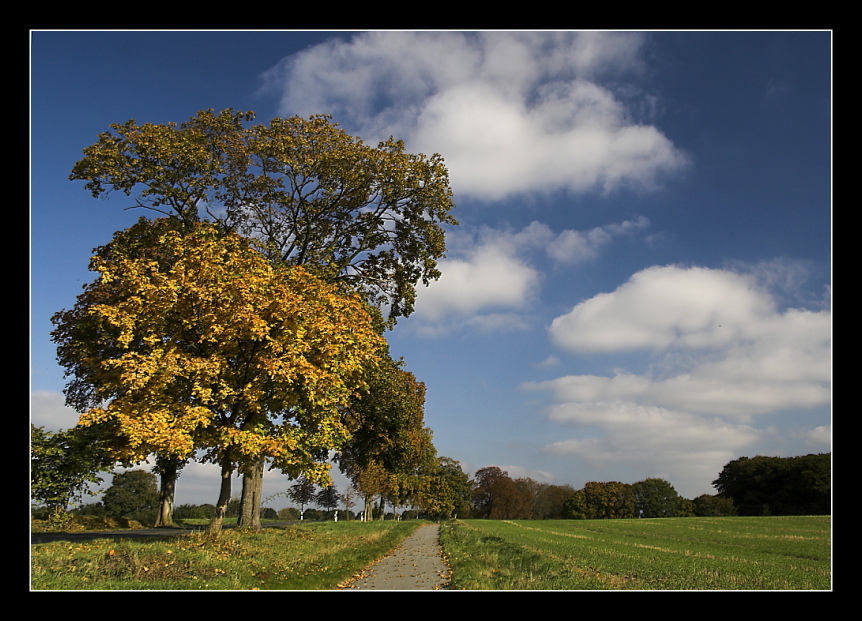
[
  {"x": 496, "y": 496},
  {"x": 245, "y": 325},
  {"x": 746, "y": 486}
]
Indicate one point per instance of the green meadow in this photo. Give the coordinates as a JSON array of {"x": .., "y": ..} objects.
[{"x": 758, "y": 553}]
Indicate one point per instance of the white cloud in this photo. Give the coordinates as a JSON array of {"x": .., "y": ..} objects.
[
  {"x": 493, "y": 275},
  {"x": 511, "y": 112},
  {"x": 667, "y": 306},
  {"x": 820, "y": 436},
  {"x": 522, "y": 472},
  {"x": 722, "y": 354},
  {"x": 726, "y": 348},
  {"x": 48, "y": 409},
  {"x": 487, "y": 279},
  {"x": 573, "y": 246}
]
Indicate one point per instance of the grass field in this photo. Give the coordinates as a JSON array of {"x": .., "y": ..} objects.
[{"x": 762, "y": 553}]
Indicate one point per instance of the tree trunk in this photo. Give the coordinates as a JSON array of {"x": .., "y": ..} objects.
[
  {"x": 252, "y": 487},
  {"x": 168, "y": 469},
  {"x": 223, "y": 498}
]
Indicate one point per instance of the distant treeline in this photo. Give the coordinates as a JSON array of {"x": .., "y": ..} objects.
[{"x": 746, "y": 486}]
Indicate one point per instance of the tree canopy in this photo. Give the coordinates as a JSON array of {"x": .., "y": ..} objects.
[
  {"x": 63, "y": 464},
  {"x": 389, "y": 444},
  {"x": 201, "y": 343},
  {"x": 304, "y": 190},
  {"x": 656, "y": 497},
  {"x": 601, "y": 500},
  {"x": 131, "y": 493},
  {"x": 764, "y": 485}
]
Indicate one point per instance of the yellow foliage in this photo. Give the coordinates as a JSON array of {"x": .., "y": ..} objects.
[{"x": 210, "y": 346}]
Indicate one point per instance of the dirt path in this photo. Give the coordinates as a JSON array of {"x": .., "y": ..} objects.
[{"x": 416, "y": 564}]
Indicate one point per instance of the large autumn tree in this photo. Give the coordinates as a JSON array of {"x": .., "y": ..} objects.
[
  {"x": 307, "y": 193},
  {"x": 199, "y": 343}
]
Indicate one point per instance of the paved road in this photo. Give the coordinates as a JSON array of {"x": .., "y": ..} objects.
[{"x": 416, "y": 564}]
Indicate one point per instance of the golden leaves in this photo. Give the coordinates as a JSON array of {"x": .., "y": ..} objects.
[{"x": 213, "y": 347}]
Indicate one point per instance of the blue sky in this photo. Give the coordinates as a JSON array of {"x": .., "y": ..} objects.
[{"x": 640, "y": 285}]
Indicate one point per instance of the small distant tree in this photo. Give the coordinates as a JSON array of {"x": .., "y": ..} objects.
[
  {"x": 194, "y": 512},
  {"x": 302, "y": 493},
  {"x": 550, "y": 500},
  {"x": 575, "y": 508},
  {"x": 328, "y": 498},
  {"x": 348, "y": 499},
  {"x": 713, "y": 506},
  {"x": 313, "y": 515},
  {"x": 288, "y": 513},
  {"x": 133, "y": 493}
]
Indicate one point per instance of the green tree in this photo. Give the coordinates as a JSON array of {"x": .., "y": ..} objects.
[
  {"x": 445, "y": 490},
  {"x": 706, "y": 505},
  {"x": 601, "y": 500},
  {"x": 389, "y": 444},
  {"x": 778, "y": 485},
  {"x": 289, "y": 513},
  {"x": 194, "y": 512},
  {"x": 133, "y": 494},
  {"x": 64, "y": 464},
  {"x": 575, "y": 507},
  {"x": 657, "y": 498}
]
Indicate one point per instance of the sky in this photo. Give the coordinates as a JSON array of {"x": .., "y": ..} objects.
[{"x": 640, "y": 283}]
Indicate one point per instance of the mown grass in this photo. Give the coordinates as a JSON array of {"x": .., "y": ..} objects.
[
  {"x": 302, "y": 557},
  {"x": 764, "y": 553}
]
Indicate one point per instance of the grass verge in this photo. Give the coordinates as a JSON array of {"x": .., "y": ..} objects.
[{"x": 301, "y": 557}]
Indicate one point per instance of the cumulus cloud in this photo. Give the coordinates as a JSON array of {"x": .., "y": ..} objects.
[
  {"x": 493, "y": 274},
  {"x": 511, "y": 112},
  {"x": 487, "y": 279},
  {"x": 48, "y": 409},
  {"x": 723, "y": 352},
  {"x": 669, "y": 306}
]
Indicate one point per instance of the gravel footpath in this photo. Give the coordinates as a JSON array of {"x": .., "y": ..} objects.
[{"x": 416, "y": 564}]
